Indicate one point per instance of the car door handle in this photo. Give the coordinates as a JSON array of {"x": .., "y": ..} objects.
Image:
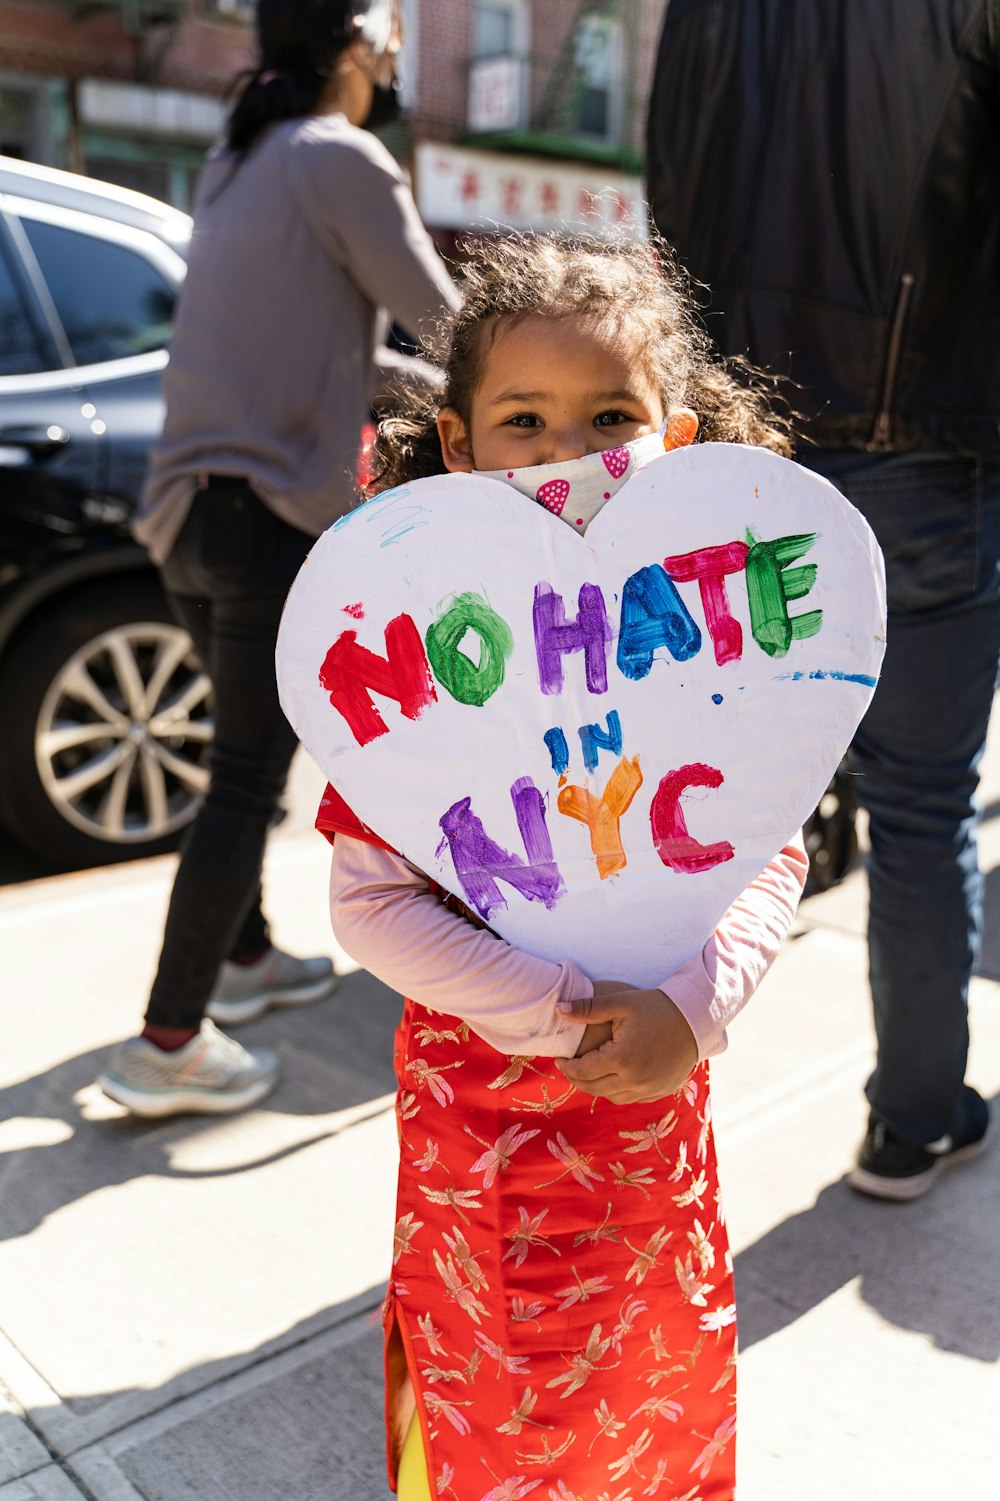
[{"x": 37, "y": 441}]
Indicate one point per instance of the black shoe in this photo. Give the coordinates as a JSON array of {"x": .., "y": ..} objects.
[{"x": 892, "y": 1167}]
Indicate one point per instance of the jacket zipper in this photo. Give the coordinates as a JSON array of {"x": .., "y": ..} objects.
[{"x": 881, "y": 438}]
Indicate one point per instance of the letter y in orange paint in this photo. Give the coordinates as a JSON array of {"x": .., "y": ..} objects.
[{"x": 603, "y": 815}]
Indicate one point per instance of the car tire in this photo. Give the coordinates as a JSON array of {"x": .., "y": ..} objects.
[{"x": 107, "y": 726}]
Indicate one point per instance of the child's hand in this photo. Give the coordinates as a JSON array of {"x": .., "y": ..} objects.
[
  {"x": 651, "y": 1050},
  {"x": 596, "y": 1034}
]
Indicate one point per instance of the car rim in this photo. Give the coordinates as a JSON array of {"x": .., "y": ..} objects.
[{"x": 124, "y": 734}]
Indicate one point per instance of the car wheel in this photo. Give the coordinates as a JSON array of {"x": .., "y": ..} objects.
[{"x": 108, "y": 724}]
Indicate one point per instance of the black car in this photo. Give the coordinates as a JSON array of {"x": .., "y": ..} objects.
[{"x": 106, "y": 711}]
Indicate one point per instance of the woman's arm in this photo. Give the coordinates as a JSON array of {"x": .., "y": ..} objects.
[
  {"x": 393, "y": 367},
  {"x": 359, "y": 202},
  {"x": 386, "y": 917}
]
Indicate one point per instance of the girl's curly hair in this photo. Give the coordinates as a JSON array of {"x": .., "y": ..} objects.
[{"x": 634, "y": 287}]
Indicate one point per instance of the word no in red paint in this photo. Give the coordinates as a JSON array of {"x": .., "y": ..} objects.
[{"x": 351, "y": 673}]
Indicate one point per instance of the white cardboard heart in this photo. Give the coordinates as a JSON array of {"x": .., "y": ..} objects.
[{"x": 772, "y": 727}]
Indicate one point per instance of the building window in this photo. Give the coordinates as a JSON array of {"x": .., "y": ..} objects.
[
  {"x": 497, "y": 83},
  {"x": 151, "y": 176},
  {"x": 163, "y": 169},
  {"x": 495, "y": 28},
  {"x": 598, "y": 57},
  {"x": 19, "y": 122}
]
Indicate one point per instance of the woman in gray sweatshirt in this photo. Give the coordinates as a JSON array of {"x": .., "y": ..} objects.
[{"x": 304, "y": 227}]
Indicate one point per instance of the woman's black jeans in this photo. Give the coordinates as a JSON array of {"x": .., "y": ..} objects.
[{"x": 227, "y": 578}]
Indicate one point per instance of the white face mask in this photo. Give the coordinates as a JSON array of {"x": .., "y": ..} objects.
[{"x": 576, "y": 489}]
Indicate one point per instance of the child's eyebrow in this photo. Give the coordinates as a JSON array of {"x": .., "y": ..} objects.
[
  {"x": 520, "y": 396},
  {"x": 623, "y": 395},
  {"x": 594, "y": 396}
]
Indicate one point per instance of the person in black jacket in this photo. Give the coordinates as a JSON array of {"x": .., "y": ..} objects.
[{"x": 831, "y": 169}]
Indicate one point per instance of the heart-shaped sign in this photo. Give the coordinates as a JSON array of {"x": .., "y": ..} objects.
[{"x": 596, "y": 741}]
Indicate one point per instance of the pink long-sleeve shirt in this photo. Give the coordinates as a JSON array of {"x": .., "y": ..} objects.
[{"x": 387, "y": 918}]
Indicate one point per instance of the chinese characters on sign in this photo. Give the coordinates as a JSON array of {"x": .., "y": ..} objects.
[{"x": 458, "y": 188}]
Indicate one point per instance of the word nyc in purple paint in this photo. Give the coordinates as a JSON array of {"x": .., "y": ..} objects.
[
  {"x": 479, "y": 861},
  {"x": 555, "y": 636}
]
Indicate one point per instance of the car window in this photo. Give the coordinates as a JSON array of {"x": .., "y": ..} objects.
[
  {"x": 111, "y": 301},
  {"x": 19, "y": 350}
]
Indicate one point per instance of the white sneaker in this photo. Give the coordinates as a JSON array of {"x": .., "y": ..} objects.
[
  {"x": 245, "y": 991},
  {"x": 210, "y": 1075}
]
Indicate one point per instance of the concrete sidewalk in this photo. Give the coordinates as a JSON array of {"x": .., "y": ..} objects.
[{"x": 188, "y": 1308}]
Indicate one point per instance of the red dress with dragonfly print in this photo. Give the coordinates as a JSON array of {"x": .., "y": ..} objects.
[{"x": 561, "y": 1285}]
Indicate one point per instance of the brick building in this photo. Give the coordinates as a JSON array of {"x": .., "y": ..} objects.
[
  {"x": 523, "y": 112},
  {"x": 128, "y": 90}
]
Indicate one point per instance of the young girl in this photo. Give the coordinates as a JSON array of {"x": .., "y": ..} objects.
[{"x": 560, "y": 1319}]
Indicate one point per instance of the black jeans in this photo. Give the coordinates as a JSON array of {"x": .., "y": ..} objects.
[
  {"x": 917, "y": 754},
  {"x": 227, "y": 578}
]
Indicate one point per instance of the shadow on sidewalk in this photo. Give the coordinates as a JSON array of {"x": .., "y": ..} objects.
[
  {"x": 336, "y": 1056},
  {"x": 299, "y": 1415},
  {"x": 928, "y": 1266}
]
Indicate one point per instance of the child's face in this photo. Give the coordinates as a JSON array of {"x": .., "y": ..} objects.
[{"x": 551, "y": 390}]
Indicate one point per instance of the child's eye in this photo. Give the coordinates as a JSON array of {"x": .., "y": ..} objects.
[
  {"x": 523, "y": 419},
  {"x": 611, "y": 419}
]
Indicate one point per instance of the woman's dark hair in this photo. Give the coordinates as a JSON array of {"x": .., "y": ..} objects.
[
  {"x": 634, "y": 287},
  {"x": 299, "y": 40}
]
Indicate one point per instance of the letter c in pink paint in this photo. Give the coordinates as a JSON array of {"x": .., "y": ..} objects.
[{"x": 676, "y": 847}]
